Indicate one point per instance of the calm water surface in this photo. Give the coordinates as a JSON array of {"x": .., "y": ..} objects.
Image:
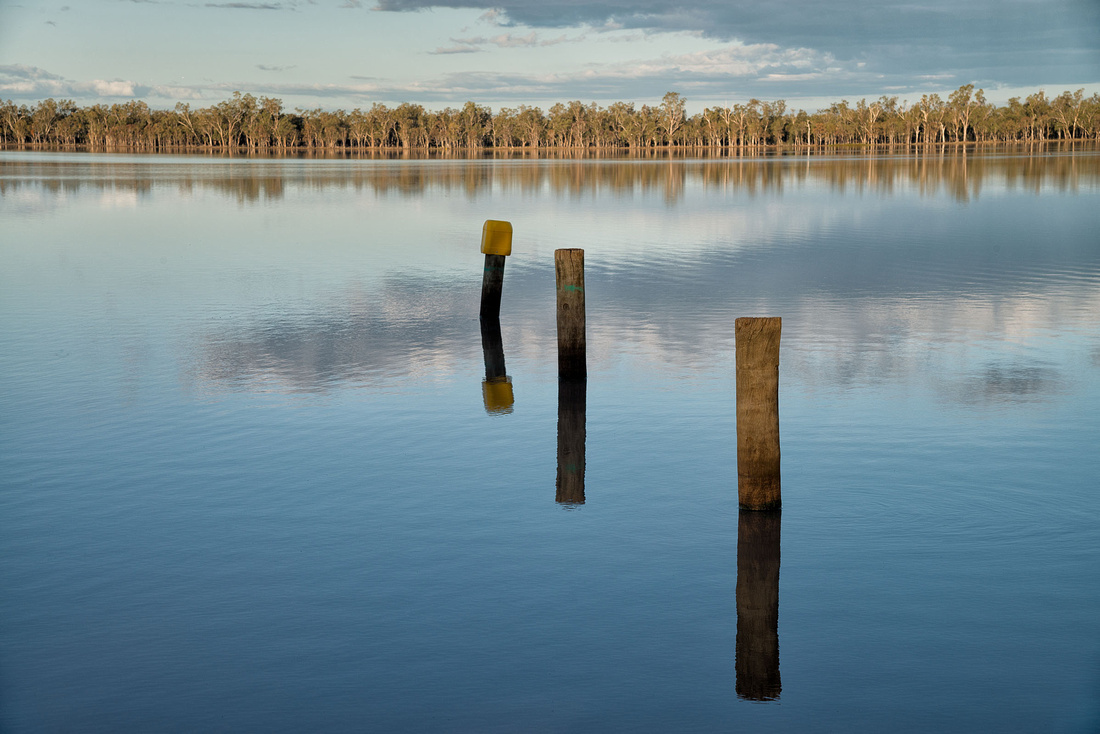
[{"x": 251, "y": 479}]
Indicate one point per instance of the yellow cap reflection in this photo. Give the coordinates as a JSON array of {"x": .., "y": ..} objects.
[{"x": 498, "y": 395}]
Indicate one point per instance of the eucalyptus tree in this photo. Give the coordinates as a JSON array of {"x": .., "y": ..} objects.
[
  {"x": 447, "y": 126},
  {"x": 270, "y": 115},
  {"x": 72, "y": 128},
  {"x": 408, "y": 119},
  {"x": 799, "y": 124},
  {"x": 626, "y": 123},
  {"x": 1068, "y": 110},
  {"x": 962, "y": 103},
  {"x": 13, "y": 122},
  {"x": 649, "y": 120},
  {"x": 1091, "y": 117},
  {"x": 258, "y": 120},
  {"x": 865, "y": 116},
  {"x": 229, "y": 115},
  {"x": 580, "y": 125},
  {"x": 532, "y": 125},
  {"x": 43, "y": 118},
  {"x": 602, "y": 127},
  {"x": 754, "y": 123},
  {"x": 671, "y": 114},
  {"x": 1036, "y": 114},
  {"x": 983, "y": 122},
  {"x": 773, "y": 121},
  {"x": 187, "y": 121},
  {"x": 380, "y": 125},
  {"x": 334, "y": 129},
  {"x": 714, "y": 126},
  {"x": 558, "y": 124},
  {"x": 475, "y": 121},
  {"x": 738, "y": 120},
  {"x": 287, "y": 131},
  {"x": 933, "y": 118},
  {"x": 358, "y": 127},
  {"x": 126, "y": 124},
  {"x": 311, "y": 127},
  {"x": 504, "y": 128}
]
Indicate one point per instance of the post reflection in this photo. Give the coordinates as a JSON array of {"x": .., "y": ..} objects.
[
  {"x": 572, "y": 402},
  {"x": 496, "y": 389},
  {"x": 757, "y": 646}
]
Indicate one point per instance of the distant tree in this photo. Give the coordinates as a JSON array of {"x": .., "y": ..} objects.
[
  {"x": 1068, "y": 110},
  {"x": 671, "y": 114},
  {"x": 962, "y": 103}
]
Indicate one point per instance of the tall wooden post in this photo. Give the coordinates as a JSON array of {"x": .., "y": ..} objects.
[
  {"x": 572, "y": 403},
  {"x": 496, "y": 243},
  {"x": 569, "y": 275},
  {"x": 757, "y": 349},
  {"x": 756, "y": 657}
]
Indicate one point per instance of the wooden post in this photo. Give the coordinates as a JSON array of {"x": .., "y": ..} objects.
[
  {"x": 492, "y": 348},
  {"x": 496, "y": 389},
  {"x": 572, "y": 402},
  {"x": 757, "y": 349},
  {"x": 492, "y": 283},
  {"x": 756, "y": 655},
  {"x": 569, "y": 274},
  {"x": 496, "y": 243}
]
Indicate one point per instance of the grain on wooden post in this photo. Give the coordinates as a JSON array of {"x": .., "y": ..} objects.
[
  {"x": 757, "y": 350},
  {"x": 756, "y": 655},
  {"x": 572, "y": 403},
  {"x": 492, "y": 284},
  {"x": 569, "y": 274},
  {"x": 496, "y": 243}
]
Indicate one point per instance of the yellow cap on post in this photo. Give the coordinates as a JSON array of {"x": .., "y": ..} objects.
[
  {"x": 496, "y": 238},
  {"x": 498, "y": 396}
]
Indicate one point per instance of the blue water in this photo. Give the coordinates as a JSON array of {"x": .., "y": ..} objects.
[{"x": 248, "y": 480}]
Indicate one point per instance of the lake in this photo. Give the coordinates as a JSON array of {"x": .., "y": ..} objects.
[{"x": 253, "y": 476}]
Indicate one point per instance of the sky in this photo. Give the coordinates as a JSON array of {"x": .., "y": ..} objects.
[{"x": 343, "y": 54}]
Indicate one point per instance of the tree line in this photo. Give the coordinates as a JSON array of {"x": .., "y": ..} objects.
[{"x": 246, "y": 122}]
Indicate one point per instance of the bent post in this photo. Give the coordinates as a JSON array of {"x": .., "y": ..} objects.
[{"x": 496, "y": 244}]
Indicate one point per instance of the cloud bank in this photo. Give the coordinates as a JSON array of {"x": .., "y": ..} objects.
[{"x": 1012, "y": 41}]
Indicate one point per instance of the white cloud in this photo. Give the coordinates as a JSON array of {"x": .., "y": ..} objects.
[
  {"x": 510, "y": 40},
  {"x": 474, "y": 44},
  {"x": 174, "y": 93},
  {"x": 115, "y": 88},
  {"x": 457, "y": 50}
]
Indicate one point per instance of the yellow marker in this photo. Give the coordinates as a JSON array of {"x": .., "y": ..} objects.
[
  {"x": 496, "y": 238},
  {"x": 498, "y": 396}
]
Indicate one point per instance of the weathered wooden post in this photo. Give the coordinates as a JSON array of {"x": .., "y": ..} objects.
[
  {"x": 569, "y": 274},
  {"x": 496, "y": 389},
  {"x": 757, "y": 355},
  {"x": 572, "y": 403},
  {"x": 756, "y": 656},
  {"x": 496, "y": 243}
]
